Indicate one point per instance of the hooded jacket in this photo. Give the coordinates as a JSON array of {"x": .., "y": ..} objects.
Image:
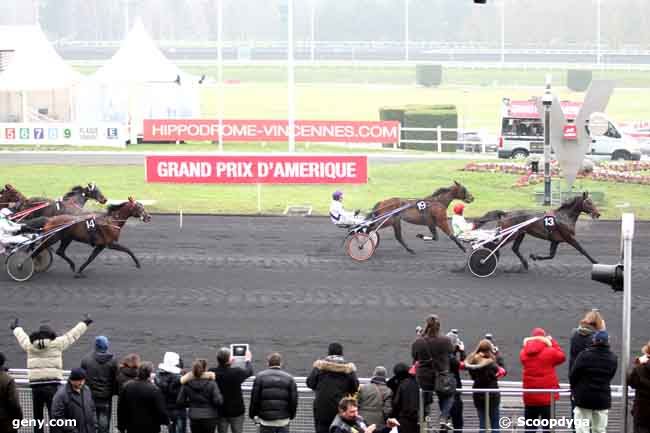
[
  {"x": 331, "y": 379},
  {"x": 45, "y": 351},
  {"x": 406, "y": 399},
  {"x": 9, "y": 403},
  {"x": 433, "y": 355},
  {"x": 170, "y": 386},
  {"x": 101, "y": 374},
  {"x": 539, "y": 357},
  {"x": 79, "y": 406},
  {"x": 201, "y": 395},
  {"x": 375, "y": 401},
  {"x": 141, "y": 408},
  {"x": 483, "y": 372},
  {"x": 591, "y": 375},
  {"x": 639, "y": 379},
  {"x": 580, "y": 340}
]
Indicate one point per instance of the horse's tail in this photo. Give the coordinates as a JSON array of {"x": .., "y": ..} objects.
[{"x": 493, "y": 215}]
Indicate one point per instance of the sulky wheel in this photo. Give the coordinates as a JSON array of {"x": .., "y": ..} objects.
[
  {"x": 20, "y": 266},
  {"x": 374, "y": 237},
  {"x": 482, "y": 263},
  {"x": 43, "y": 260},
  {"x": 360, "y": 247}
]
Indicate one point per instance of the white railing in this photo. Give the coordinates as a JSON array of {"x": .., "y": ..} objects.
[{"x": 485, "y": 144}]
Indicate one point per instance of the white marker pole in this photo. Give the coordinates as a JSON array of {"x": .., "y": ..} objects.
[
  {"x": 180, "y": 220},
  {"x": 627, "y": 235}
]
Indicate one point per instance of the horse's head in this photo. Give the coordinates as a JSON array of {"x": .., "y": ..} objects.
[
  {"x": 461, "y": 193},
  {"x": 11, "y": 195},
  {"x": 587, "y": 206},
  {"x": 136, "y": 210},
  {"x": 92, "y": 191}
]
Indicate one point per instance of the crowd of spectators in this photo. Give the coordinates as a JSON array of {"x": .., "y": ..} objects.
[{"x": 211, "y": 400}]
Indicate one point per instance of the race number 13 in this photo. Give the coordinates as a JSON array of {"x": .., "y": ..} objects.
[{"x": 549, "y": 221}]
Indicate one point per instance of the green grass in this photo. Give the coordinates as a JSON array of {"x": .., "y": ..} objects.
[{"x": 492, "y": 191}]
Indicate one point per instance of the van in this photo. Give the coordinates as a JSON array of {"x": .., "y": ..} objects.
[{"x": 522, "y": 133}]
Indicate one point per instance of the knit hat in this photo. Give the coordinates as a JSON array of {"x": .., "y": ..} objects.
[
  {"x": 538, "y": 332},
  {"x": 335, "y": 349},
  {"x": 101, "y": 343},
  {"x": 77, "y": 374},
  {"x": 601, "y": 337},
  {"x": 379, "y": 371}
]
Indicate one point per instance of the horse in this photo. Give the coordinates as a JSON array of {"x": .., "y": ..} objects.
[
  {"x": 71, "y": 203},
  {"x": 434, "y": 215},
  {"x": 99, "y": 231},
  {"x": 556, "y": 227},
  {"x": 10, "y": 197}
]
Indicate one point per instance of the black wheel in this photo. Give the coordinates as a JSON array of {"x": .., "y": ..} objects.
[
  {"x": 20, "y": 266},
  {"x": 520, "y": 154},
  {"x": 360, "y": 247},
  {"x": 43, "y": 261},
  {"x": 374, "y": 237},
  {"x": 621, "y": 155},
  {"x": 482, "y": 263},
  {"x": 492, "y": 246}
]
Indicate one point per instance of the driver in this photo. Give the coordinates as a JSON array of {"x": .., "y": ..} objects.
[
  {"x": 466, "y": 230},
  {"x": 340, "y": 216},
  {"x": 8, "y": 230}
]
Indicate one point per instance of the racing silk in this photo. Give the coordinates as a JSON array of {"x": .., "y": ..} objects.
[
  {"x": 460, "y": 226},
  {"x": 339, "y": 216},
  {"x": 7, "y": 233}
]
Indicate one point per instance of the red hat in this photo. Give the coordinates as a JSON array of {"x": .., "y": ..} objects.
[
  {"x": 538, "y": 332},
  {"x": 459, "y": 208}
]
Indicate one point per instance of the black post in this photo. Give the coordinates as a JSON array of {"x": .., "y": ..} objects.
[{"x": 547, "y": 101}]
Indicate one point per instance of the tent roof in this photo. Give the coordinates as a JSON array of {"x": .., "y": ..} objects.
[
  {"x": 35, "y": 64},
  {"x": 139, "y": 60}
]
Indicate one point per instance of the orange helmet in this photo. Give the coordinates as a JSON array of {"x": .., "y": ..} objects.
[{"x": 459, "y": 208}]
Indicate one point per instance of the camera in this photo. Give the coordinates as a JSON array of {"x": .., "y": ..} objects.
[{"x": 238, "y": 351}]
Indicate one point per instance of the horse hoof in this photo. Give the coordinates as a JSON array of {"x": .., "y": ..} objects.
[
  {"x": 79, "y": 276},
  {"x": 533, "y": 257},
  {"x": 137, "y": 265},
  {"x": 411, "y": 251}
]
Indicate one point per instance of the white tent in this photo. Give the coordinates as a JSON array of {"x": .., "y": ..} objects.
[
  {"x": 36, "y": 83},
  {"x": 139, "y": 82}
]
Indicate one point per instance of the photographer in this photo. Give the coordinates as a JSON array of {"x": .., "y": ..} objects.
[{"x": 230, "y": 378}]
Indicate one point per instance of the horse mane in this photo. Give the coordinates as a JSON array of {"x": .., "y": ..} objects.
[
  {"x": 569, "y": 204},
  {"x": 440, "y": 191},
  {"x": 73, "y": 191},
  {"x": 114, "y": 207}
]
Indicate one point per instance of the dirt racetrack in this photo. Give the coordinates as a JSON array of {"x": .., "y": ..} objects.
[{"x": 285, "y": 284}]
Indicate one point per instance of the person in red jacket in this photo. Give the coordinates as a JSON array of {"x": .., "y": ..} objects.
[{"x": 539, "y": 357}]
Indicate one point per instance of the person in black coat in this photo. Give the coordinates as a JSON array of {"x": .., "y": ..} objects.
[
  {"x": 10, "y": 409},
  {"x": 274, "y": 399},
  {"x": 406, "y": 403},
  {"x": 400, "y": 372},
  {"x": 230, "y": 378},
  {"x": 590, "y": 378},
  {"x": 168, "y": 381},
  {"x": 141, "y": 406},
  {"x": 639, "y": 379},
  {"x": 101, "y": 378},
  {"x": 201, "y": 394},
  {"x": 331, "y": 379},
  {"x": 74, "y": 401}
]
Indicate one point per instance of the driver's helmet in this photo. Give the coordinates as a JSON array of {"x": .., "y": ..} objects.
[
  {"x": 337, "y": 195},
  {"x": 4, "y": 213},
  {"x": 459, "y": 208}
]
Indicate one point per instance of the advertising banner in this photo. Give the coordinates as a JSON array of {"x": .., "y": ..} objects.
[
  {"x": 72, "y": 134},
  {"x": 256, "y": 169}
]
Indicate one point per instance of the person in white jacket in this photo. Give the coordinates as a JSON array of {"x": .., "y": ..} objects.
[
  {"x": 8, "y": 230},
  {"x": 466, "y": 230},
  {"x": 340, "y": 216}
]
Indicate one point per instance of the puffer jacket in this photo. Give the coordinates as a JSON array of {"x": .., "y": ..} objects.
[
  {"x": 591, "y": 375},
  {"x": 170, "y": 386},
  {"x": 375, "y": 401},
  {"x": 124, "y": 376},
  {"x": 274, "y": 396},
  {"x": 331, "y": 379},
  {"x": 101, "y": 375},
  {"x": 45, "y": 352},
  {"x": 539, "y": 357},
  {"x": 581, "y": 339},
  {"x": 201, "y": 395}
]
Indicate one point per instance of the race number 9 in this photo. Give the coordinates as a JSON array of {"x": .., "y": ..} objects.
[
  {"x": 549, "y": 221},
  {"x": 421, "y": 205}
]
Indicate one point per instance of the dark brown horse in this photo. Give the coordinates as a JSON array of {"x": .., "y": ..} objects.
[
  {"x": 10, "y": 197},
  {"x": 71, "y": 203},
  {"x": 434, "y": 215},
  {"x": 556, "y": 226},
  {"x": 99, "y": 231}
]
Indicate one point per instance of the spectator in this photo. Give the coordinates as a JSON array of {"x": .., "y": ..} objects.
[
  {"x": 74, "y": 401},
  {"x": 432, "y": 354},
  {"x": 406, "y": 402},
  {"x": 456, "y": 411},
  {"x": 348, "y": 420},
  {"x": 539, "y": 357},
  {"x": 639, "y": 379},
  {"x": 485, "y": 368},
  {"x": 200, "y": 393},
  {"x": 229, "y": 379},
  {"x": 331, "y": 379},
  {"x": 127, "y": 371},
  {"x": 400, "y": 372},
  {"x": 9, "y": 403},
  {"x": 168, "y": 380},
  {"x": 590, "y": 377},
  {"x": 141, "y": 406},
  {"x": 376, "y": 399},
  {"x": 581, "y": 339},
  {"x": 274, "y": 399},
  {"x": 45, "y": 361},
  {"x": 101, "y": 378}
]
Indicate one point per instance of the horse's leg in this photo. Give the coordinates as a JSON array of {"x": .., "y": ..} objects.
[
  {"x": 118, "y": 247},
  {"x": 98, "y": 249},
  {"x": 553, "y": 250},
  {"x": 515, "y": 248},
  {"x": 397, "y": 228},
  {"x": 443, "y": 223},
  {"x": 574, "y": 243},
  {"x": 65, "y": 243}
]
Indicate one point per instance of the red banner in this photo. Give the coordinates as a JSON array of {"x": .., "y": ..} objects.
[
  {"x": 271, "y": 130},
  {"x": 570, "y": 132},
  {"x": 256, "y": 169}
]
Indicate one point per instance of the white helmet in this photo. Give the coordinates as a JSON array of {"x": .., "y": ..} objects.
[{"x": 5, "y": 212}]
